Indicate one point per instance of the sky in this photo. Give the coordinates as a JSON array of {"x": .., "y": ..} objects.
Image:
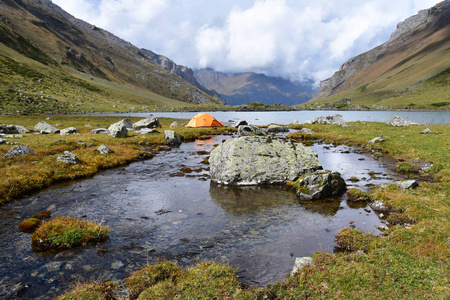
[{"x": 293, "y": 39}]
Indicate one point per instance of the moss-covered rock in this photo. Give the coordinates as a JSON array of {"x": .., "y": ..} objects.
[{"x": 30, "y": 225}]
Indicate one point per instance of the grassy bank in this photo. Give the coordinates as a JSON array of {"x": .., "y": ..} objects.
[{"x": 32, "y": 172}]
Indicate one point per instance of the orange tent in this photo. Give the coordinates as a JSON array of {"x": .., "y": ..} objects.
[{"x": 204, "y": 120}]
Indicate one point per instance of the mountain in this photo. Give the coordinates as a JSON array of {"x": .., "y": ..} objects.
[
  {"x": 240, "y": 88},
  {"x": 52, "y": 62},
  {"x": 410, "y": 70}
]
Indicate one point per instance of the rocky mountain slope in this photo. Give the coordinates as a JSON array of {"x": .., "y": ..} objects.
[
  {"x": 411, "y": 70},
  {"x": 248, "y": 87},
  {"x": 45, "y": 49}
]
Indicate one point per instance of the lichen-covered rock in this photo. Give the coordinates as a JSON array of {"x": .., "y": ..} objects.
[
  {"x": 300, "y": 263},
  {"x": 277, "y": 128},
  {"x": 18, "y": 150},
  {"x": 399, "y": 122},
  {"x": 407, "y": 184},
  {"x": 103, "y": 149},
  {"x": 118, "y": 130},
  {"x": 99, "y": 130},
  {"x": 320, "y": 185},
  {"x": 146, "y": 123},
  {"x": 245, "y": 130},
  {"x": 306, "y": 131},
  {"x": 68, "y": 131},
  {"x": 254, "y": 160},
  {"x": 377, "y": 139},
  {"x": 12, "y": 129},
  {"x": 332, "y": 119},
  {"x": 45, "y": 128},
  {"x": 68, "y": 158},
  {"x": 172, "y": 137}
]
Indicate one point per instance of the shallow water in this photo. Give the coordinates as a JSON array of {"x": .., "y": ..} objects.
[{"x": 153, "y": 215}]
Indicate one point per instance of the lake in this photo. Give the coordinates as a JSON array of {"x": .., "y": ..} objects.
[{"x": 286, "y": 117}]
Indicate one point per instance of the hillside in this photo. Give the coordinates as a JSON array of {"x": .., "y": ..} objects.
[
  {"x": 411, "y": 70},
  {"x": 53, "y": 62},
  {"x": 248, "y": 87}
]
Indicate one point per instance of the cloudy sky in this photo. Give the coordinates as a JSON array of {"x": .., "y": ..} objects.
[{"x": 293, "y": 39}]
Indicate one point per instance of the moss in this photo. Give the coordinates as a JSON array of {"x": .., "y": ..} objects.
[
  {"x": 353, "y": 240},
  {"x": 358, "y": 195},
  {"x": 151, "y": 275},
  {"x": 407, "y": 168},
  {"x": 354, "y": 179},
  {"x": 43, "y": 215},
  {"x": 67, "y": 232},
  {"x": 97, "y": 291},
  {"x": 30, "y": 225}
]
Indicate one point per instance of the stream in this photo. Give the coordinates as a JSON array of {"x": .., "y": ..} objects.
[{"x": 156, "y": 212}]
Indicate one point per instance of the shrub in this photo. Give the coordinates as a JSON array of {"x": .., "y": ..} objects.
[{"x": 67, "y": 232}]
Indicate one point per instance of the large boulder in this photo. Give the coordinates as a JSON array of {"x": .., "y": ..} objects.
[
  {"x": 245, "y": 130},
  {"x": 12, "y": 129},
  {"x": 332, "y": 119},
  {"x": 18, "y": 150},
  {"x": 69, "y": 130},
  {"x": 118, "y": 130},
  {"x": 172, "y": 137},
  {"x": 399, "y": 122},
  {"x": 254, "y": 160},
  {"x": 45, "y": 128},
  {"x": 239, "y": 123},
  {"x": 320, "y": 185},
  {"x": 146, "y": 123}
]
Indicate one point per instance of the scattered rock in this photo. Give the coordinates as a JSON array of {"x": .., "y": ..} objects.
[
  {"x": 245, "y": 130},
  {"x": 103, "y": 149},
  {"x": 118, "y": 130},
  {"x": 426, "y": 131},
  {"x": 174, "y": 124},
  {"x": 99, "y": 130},
  {"x": 45, "y": 128},
  {"x": 306, "y": 131},
  {"x": 295, "y": 122},
  {"x": 147, "y": 123},
  {"x": 407, "y": 184},
  {"x": 12, "y": 129},
  {"x": 379, "y": 206},
  {"x": 172, "y": 137},
  {"x": 18, "y": 150},
  {"x": 277, "y": 128},
  {"x": 260, "y": 160},
  {"x": 239, "y": 123},
  {"x": 399, "y": 122},
  {"x": 321, "y": 185},
  {"x": 332, "y": 119},
  {"x": 377, "y": 139},
  {"x": 147, "y": 130},
  {"x": 300, "y": 263},
  {"x": 3, "y": 141},
  {"x": 68, "y": 158},
  {"x": 69, "y": 130}
]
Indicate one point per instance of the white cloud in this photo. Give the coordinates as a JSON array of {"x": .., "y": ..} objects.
[{"x": 292, "y": 39}]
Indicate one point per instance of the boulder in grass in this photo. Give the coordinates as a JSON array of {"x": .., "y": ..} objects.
[
  {"x": 45, "y": 128},
  {"x": 377, "y": 139},
  {"x": 118, "y": 130},
  {"x": 399, "y": 122},
  {"x": 103, "y": 149},
  {"x": 426, "y": 131},
  {"x": 306, "y": 131},
  {"x": 407, "y": 184},
  {"x": 18, "y": 150},
  {"x": 277, "y": 128},
  {"x": 147, "y": 123},
  {"x": 68, "y": 131},
  {"x": 172, "y": 137},
  {"x": 99, "y": 130},
  {"x": 68, "y": 158},
  {"x": 12, "y": 129}
]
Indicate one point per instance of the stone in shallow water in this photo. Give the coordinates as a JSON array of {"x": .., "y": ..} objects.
[
  {"x": 254, "y": 160},
  {"x": 172, "y": 137},
  {"x": 321, "y": 185}
]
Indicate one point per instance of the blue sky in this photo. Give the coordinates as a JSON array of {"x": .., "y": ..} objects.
[{"x": 293, "y": 39}]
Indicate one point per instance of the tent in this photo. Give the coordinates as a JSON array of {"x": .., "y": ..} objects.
[{"x": 204, "y": 120}]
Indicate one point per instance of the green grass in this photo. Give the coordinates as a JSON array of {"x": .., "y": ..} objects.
[{"x": 67, "y": 232}]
